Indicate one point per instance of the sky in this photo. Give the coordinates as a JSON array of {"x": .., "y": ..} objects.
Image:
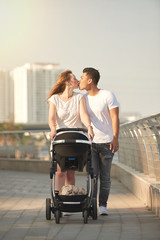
[{"x": 120, "y": 38}]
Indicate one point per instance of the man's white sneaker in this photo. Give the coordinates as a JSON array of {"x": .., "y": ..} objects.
[{"x": 103, "y": 210}]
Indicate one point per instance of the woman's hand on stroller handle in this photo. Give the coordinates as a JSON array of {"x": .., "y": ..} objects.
[
  {"x": 52, "y": 134},
  {"x": 90, "y": 132}
]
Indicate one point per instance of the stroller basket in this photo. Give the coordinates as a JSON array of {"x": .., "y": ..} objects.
[
  {"x": 76, "y": 198},
  {"x": 72, "y": 203}
]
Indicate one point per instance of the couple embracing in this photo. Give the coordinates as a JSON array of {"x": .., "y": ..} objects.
[{"x": 99, "y": 111}]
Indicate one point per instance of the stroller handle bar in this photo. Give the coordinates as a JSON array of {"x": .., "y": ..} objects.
[
  {"x": 71, "y": 129},
  {"x": 71, "y": 141}
]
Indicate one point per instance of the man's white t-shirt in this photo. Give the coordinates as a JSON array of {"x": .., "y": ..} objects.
[
  {"x": 68, "y": 115},
  {"x": 98, "y": 107}
]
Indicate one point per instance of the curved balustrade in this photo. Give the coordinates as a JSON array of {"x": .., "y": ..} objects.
[
  {"x": 34, "y": 144},
  {"x": 140, "y": 145}
]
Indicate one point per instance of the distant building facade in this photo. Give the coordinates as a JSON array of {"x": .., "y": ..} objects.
[
  {"x": 32, "y": 84},
  {"x": 6, "y": 96}
]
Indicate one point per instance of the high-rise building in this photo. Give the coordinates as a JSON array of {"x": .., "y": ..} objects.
[
  {"x": 6, "y": 96},
  {"x": 32, "y": 84}
]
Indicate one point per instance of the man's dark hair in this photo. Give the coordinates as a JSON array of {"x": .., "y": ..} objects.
[{"x": 92, "y": 73}]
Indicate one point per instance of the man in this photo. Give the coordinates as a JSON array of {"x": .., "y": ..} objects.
[{"x": 103, "y": 110}]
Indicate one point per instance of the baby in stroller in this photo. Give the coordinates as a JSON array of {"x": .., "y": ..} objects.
[{"x": 71, "y": 149}]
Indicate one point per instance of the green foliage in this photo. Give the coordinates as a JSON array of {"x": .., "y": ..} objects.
[{"x": 10, "y": 126}]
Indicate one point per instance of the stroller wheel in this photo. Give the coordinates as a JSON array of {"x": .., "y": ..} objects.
[
  {"x": 57, "y": 216},
  {"x": 85, "y": 215},
  {"x": 48, "y": 208},
  {"x": 94, "y": 209}
]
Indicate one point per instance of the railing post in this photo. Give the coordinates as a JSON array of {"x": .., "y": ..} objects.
[
  {"x": 141, "y": 155},
  {"x": 155, "y": 149}
]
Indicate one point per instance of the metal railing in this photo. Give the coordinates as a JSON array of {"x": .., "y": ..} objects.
[
  {"x": 139, "y": 145},
  {"x": 34, "y": 144}
]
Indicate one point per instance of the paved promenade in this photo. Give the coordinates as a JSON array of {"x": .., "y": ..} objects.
[{"x": 22, "y": 213}]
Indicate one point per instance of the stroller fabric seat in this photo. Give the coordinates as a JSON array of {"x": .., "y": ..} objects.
[{"x": 71, "y": 150}]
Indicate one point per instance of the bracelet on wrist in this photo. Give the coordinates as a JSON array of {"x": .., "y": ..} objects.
[{"x": 89, "y": 126}]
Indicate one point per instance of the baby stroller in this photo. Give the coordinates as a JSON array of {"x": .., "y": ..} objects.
[{"x": 71, "y": 149}]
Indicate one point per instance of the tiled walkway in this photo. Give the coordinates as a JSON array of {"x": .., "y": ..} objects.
[{"x": 22, "y": 213}]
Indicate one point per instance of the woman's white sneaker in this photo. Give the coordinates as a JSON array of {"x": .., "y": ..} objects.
[
  {"x": 67, "y": 213},
  {"x": 103, "y": 210}
]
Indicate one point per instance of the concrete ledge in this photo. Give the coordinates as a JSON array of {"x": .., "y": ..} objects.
[
  {"x": 25, "y": 165},
  {"x": 144, "y": 187},
  {"x": 30, "y": 165}
]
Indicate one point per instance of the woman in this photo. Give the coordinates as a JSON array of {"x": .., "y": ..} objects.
[{"x": 67, "y": 109}]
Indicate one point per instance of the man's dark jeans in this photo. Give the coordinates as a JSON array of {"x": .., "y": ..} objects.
[{"x": 101, "y": 162}]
